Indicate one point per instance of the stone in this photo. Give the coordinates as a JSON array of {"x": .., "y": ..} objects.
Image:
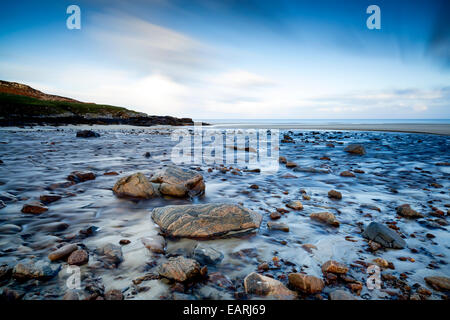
[
  {"x": 295, "y": 205},
  {"x": 134, "y": 186},
  {"x": 111, "y": 253},
  {"x": 383, "y": 235},
  {"x": 87, "y": 134},
  {"x": 260, "y": 285},
  {"x": 81, "y": 176},
  {"x": 206, "y": 255},
  {"x": 62, "y": 252},
  {"x": 278, "y": 226},
  {"x": 155, "y": 244},
  {"x": 325, "y": 217},
  {"x": 71, "y": 295},
  {"x": 334, "y": 267},
  {"x": 206, "y": 220},
  {"x": 333, "y": 194},
  {"x": 30, "y": 269},
  {"x": 382, "y": 263},
  {"x": 180, "y": 269},
  {"x": 405, "y": 211},
  {"x": 111, "y": 173},
  {"x": 178, "y": 182},
  {"x": 49, "y": 198},
  {"x": 78, "y": 257},
  {"x": 113, "y": 294},
  {"x": 347, "y": 174},
  {"x": 341, "y": 295},
  {"x": 357, "y": 149},
  {"x": 124, "y": 242},
  {"x": 10, "y": 295},
  {"x": 5, "y": 271},
  {"x": 438, "y": 283},
  {"x": 34, "y": 207},
  {"x": 291, "y": 164},
  {"x": 309, "y": 247},
  {"x": 282, "y": 159},
  {"x": 306, "y": 283},
  {"x": 275, "y": 215}
]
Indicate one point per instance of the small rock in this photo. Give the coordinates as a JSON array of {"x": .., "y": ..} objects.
[
  {"x": 307, "y": 284},
  {"x": 180, "y": 269},
  {"x": 10, "y": 295},
  {"x": 254, "y": 187},
  {"x": 309, "y": 247},
  {"x": 278, "y": 226},
  {"x": 296, "y": 205},
  {"x": 178, "y": 182},
  {"x": 275, "y": 215},
  {"x": 261, "y": 285},
  {"x": 113, "y": 294},
  {"x": 30, "y": 269},
  {"x": 34, "y": 207},
  {"x": 406, "y": 211},
  {"x": 62, "y": 252},
  {"x": 111, "y": 253},
  {"x": 207, "y": 255},
  {"x": 282, "y": 159},
  {"x": 357, "y": 149},
  {"x": 71, "y": 295},
  {"x": 111, "y": 173},
  {"x": 78, "y": 257},
  {"x": 49, "y": 198},
  {"x": 438, "y": 283},
  {"x": 334, "y": 267},
  {"x": 155, "y": 244},
  {"x": 81, "y": 176},
  {"x": 325, "y": 217},
  {"x": 135, "y": 186},
  {"x": 347, "y": 174},
  {"x": 333, "y": 194},
  {"x": 124, "y": 242},
  {"x": 291, "y": 165},
  {"x": 383, "y": 235},
  {"x": 381, "y": 262},
  {"x": 87, "y": 134},
  {"x": 341, "y": 295}
]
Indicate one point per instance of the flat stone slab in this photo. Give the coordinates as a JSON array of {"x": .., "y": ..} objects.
[
  {"x": 383, "y": 235},
  {"x": 206, "y": 220}
]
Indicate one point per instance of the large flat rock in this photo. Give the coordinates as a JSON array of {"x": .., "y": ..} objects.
[{"x": 206, "y": 220}]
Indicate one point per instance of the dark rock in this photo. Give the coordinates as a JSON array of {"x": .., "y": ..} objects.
[
  {"x": 438, "y": 283},
  {"x": 34, "y": 207},
  {"x": 87, "y": 134},
  {"x": 81, "y": 176},
  {"x": 113, "y": 294},
  {"x": 406, "y": 211},
  {"x": 111, "y": 253},
  {"x": 341, "y": 295},
  {"x": 333, "y": 194},
  {"x": 49, "y": 198},
  {"x": 278, "y": 226},
  {"x": 206, "y": 255},
  {"x": 383, "y": 235},
  {"x": 357, "y": 149}
]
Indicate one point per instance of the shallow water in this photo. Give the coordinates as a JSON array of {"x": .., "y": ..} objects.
[{"x": 36, "y": 158}]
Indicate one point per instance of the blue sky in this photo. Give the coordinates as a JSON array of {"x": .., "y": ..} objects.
[{"x": 209, "y": 59}]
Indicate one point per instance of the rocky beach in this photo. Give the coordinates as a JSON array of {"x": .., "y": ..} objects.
[{"x": 343, "y": 207}]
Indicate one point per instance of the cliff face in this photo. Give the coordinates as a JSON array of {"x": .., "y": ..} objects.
[{"x": 22, "y": 105}]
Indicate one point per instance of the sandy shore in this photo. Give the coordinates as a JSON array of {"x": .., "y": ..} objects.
[{"x": 442, "y": 129}]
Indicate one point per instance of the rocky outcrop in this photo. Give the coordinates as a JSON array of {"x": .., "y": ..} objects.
[
  {"x": 260, "y": 285},
  {"x": 205, "y": 220},
  {"x": 134, "y": 186},
  {"x": 178, "y": 182},
  {"x": 383, "y": 235}
]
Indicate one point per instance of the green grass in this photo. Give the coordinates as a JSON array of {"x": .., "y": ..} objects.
[{"x": 16, "y": 105}]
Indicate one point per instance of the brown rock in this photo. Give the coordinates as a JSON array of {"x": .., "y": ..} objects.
[
  {"x": 278, "y": 226},
  {"x": 261, "y": 285},
  {"x": 296, "y": 205},
  {"x": 438, "y": 283},
  {"x": 135, "y": 186},
  {"x": 179, "y": 182},
  {"x": 78, "y": 257},
  {"x": 291, "y": 164},
  {"x": 333, "y": 194},
  {"x": 325, "y": 217},
  {"x": 347, "y": 174},
  {"x": 357, "y": 149},
  {"x": 406, "y": 211},
  {"x": 282, "y": 159},
  {"x": 334, "y": 267},
  {"x": 341, "y": 295},
  {"x": 124, "y": 242},
  {"x": 309, "y": 247},
  {"x": 81, "y": 176},
  {"x": 34, "y": 207},
  {"x": 62, "y": 252},
  {"x": 205, "y": 220},
  {"x": 113, "y": 294},
  {"x": 111, "y": 173},
  {"x": 49, "y": 198},
  {"x": 71, "y": 296},
  {"x": 180, "y": 269},
  {"x": 275, "y": 215},
  {"x": 306, "y": 283}
]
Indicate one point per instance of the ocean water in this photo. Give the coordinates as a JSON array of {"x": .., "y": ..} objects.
[{"x": 324, "y": 121}]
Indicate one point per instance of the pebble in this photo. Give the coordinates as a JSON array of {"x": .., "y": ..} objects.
[
  {"x": 78, "y": 257},
  {"x": 295, "y": 205},
  {"x": 34, "y": 207},
  {"x": 333, "y": 194},
  {"x": 334, "y": 267},
  {"x": 278, "y": 226},
  {"x": 347, "y": 174},
  {"x": 62, "y": 252},
  {"x": 325, "y": 217}
]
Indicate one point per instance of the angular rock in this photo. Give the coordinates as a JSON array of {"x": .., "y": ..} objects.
[
  {"x": 81, "y": 176},
  {"x": 62, "y": 252},
  {"x": 155, "y": 244},
  {"x": 180, "y": 269},
  {"x": 178, "y": 182},
  {"x": 87, "y": 134},
  {"x": 206, "y": 255},
  {"x": 34, "y": 207},
  {"x": 111, "y": 253},
  {"x": 341, "y": 295},
  {"x": 334, "y": 267},
  {"x": 205, "y": 220},
  {"x": 325, "y": 217},
  {"x": 295, "y": 205},
  {"x": 260, "y": 285},
  {"x": 357, "y": 149},
  {"x": 406, "y": 211},
  {"x": 30, "y": 269},
  {"x": 306, "y": 283},
  {"x": 49, "y": 198},
  {"x": 438, "y": 283},
  {"x": 383, "y": 235},
  {"x": 134, "y": 186},
  {"x": 78, "y": 258}
]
